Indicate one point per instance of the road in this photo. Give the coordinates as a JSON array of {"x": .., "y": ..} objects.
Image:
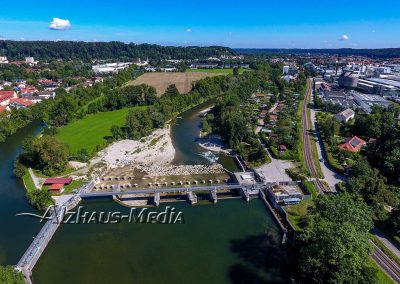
[
  {"x": 330, "y": 176},
  {"x": 307, "y": 133}
]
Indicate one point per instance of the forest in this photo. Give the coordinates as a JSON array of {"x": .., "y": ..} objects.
[
  {"x": 88, "y": 51},
  {"x": 373, "y": 53}
]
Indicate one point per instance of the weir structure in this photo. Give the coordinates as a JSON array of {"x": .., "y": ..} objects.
[{"x": 38, "y": 245}]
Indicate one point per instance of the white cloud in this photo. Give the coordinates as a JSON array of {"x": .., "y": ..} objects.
[
  {"x": 60, "y": 24},
  {"x": 189, "y": 30},
  {"x": 344, "y": 37}
]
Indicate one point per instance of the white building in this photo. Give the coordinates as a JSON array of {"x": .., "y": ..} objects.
[
  {"x": 30, "y": 60},
  {"x": 3, "y": 60},
  {"x": 110, "y": 67},
  {"x": 345, "y": 115},
  {"x": 286, "y": 69}
]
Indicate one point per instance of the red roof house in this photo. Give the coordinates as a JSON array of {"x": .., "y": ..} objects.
[
  {"x": 273, "y": 117},
  {"x": 263, "y": 114},
  {"x": 63, "y": 181},
  {"x": 5, "y": 97},
  {"x": 56, "y": 187},
  {"x": 20, "y": 102},
  {"x": 353, "y": 144},
  {"x": 282, "y": 148},
  {"x": 3, "y": 108}
]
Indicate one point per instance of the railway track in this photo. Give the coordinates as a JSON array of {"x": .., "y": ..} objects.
[
  {"x": 321, "y": 186},
  {"x": 386, "y": 263}
]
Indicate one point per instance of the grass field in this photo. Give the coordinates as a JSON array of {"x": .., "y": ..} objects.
[
  {"x": 90, "y": 131},
  {"x": 297, "y": 214},
  {"x": 383, "y": 278},
  {"x": 182, "y": 80}
]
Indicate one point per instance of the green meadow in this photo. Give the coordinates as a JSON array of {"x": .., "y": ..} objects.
[{"x": 90, "y": 131}]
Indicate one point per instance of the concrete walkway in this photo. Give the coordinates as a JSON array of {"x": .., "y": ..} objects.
[{"x": 35, "y": 179}]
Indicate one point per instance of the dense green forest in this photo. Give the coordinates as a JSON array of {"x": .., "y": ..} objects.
[
  {"x": 375, "y": 53},
  {"x": 87, "y": 51}
]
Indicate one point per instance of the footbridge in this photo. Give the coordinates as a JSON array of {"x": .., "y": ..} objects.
[{"x": 40, "y": 242}]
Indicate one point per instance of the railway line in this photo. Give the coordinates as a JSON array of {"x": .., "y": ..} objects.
[
  {"x": 321, "y": 186},
  {"x": 386, "y": 263}
]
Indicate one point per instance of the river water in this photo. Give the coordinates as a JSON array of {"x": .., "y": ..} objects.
[
  {"x": 232, "y": 241},
  {"x": 15, "y": 232}
]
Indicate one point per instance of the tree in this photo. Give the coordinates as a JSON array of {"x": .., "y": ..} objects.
[
  {"x": 19, "y": 169},
  {"x": 63, "y": 110},
  {"x": 235, "y": 71},
  {"x": 138, "y": 123},
  {"x": 46, "y": 154},
  {"x": 39, "y": 198},
  {"x": 8, "y": 275},
  {"x": 371, "y": 186},
  {"x": 336, "y": 246},
  {"x": 117, "y": 132}
]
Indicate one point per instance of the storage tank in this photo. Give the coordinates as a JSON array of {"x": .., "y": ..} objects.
[{"x": 348, "y": 80}]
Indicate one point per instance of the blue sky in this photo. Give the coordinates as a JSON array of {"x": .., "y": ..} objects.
[{"x": 261, "y": 23}]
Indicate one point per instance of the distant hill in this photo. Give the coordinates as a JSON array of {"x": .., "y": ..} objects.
[
  {"x": 87, "y": 51},
  {"x": 374, "y": 53}
]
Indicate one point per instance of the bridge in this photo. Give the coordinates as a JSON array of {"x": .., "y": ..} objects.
[{"x": 40, "y": 242}]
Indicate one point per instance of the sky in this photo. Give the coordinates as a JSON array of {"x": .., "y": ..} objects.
[{"x": 238, "y": 24}]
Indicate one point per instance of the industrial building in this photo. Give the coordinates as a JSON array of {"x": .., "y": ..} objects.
[{"x": 380, "y": 86}]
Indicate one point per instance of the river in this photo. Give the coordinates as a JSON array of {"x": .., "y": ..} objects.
[
  {"x": 16, "y": 232},
  {"x": 232, "y": 241},
  {"x": 185, "y": 132}
]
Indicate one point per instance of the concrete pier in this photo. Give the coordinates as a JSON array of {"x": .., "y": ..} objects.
[
  {"x": 213, "y": 195},
  {"x": 245, "y": 194},
  {"x": 192, "y": 197},
  {"x": 157, "y": 199}
]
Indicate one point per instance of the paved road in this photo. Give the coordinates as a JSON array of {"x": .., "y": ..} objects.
[
  {"x": 386, "y": 241},
  {"x": 330, "y": 176}
]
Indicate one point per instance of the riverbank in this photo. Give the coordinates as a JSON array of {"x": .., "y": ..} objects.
[{"x": 153, "y": 155}]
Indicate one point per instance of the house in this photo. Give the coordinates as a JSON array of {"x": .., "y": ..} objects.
[
  {"x": 263, "y": 114},
  {"x": 56, "y": 187},
  {"x": 273, "y": 118},
  {"x": 63, "y": 181},
  {"x": 4, "y": 109},
  {"x": 273, "y": 137},
  {"x": 282, "y": 149},
  {"x": 353, "y": 144},
  {"x": 345, "y": 115},
  {"x": 6, "y": 96},
  {"x": 261, "y": 96},
  {"x": 20, "y": 103}
]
